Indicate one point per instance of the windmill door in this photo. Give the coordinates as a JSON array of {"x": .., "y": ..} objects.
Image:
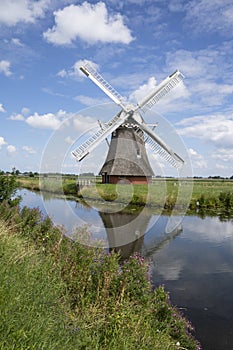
[{"x": 105, "y": 178}]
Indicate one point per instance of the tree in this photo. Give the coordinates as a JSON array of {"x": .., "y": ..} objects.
[{"x": 8, "y": 186}]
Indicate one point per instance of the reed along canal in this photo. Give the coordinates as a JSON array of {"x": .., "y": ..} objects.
[{"x": 194, "y": 261}]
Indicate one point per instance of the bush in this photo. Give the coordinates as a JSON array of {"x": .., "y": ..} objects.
[
  {"x": 8, "y": 186},
  {"x": 226, "y": 200}
]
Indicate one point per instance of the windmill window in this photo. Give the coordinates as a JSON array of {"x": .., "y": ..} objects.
[{"x": 139, "y": 153}]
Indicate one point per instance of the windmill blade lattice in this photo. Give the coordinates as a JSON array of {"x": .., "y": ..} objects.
[
  {"x": 106, "y": 129},
  {"x": 160, "y": 91},
  {"x": 159, "y": 146},
  {"x": 129, "y": 117},
  {"x": 90, "y": 72},
  {"x": 173, "y": 158}
]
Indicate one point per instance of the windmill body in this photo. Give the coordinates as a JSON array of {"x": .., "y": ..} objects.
[{"x": 127, "y": 159}]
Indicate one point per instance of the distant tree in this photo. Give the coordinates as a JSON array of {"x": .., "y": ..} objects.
[{"x": 15, "y": 171}]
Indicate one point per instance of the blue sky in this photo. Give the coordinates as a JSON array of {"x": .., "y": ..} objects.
[{"x": 134, "y": 44}]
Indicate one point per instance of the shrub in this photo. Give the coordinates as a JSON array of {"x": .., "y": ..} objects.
[{"x": 8, "y": 186}]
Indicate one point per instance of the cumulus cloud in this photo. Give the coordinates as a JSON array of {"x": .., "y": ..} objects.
[
  {"x": 46, "y": 121},
  {"x": 90, "y": 101},
  {"x": 2, "y": 109},
  {"x": 223, "y": 155},
  {"x": 170, "y": 102},
  {"x": 69, "y": 140},
  {"x": 14, "y": 11},
  {"x": 143, "y": 90},
  {"x": 28, "y": 149},
  {"x": 2, "y": 142},
  {"x": 17, "y": 42},
  {"x": 90, "y": 23},
  {"x": 18, "y": 117},
  {"x": 82, "y": 123},
  {"x": 5, "y": 68},
  {"x": 11, "y": 150},
  {"x": 217, "y": 129},
  {"x": 25, "y": 111},
  {"x": 198, "y": 161},
  {"x": 210, "y": 16},
  {"x": 207, "y": 73},
  {"x": 75, "y": 71}
]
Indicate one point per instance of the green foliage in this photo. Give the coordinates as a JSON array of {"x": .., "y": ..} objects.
[
  {"x": 226, "y": 200},
  {"x": 8, "y": 186},
  {"x": 63, "y": 295}
]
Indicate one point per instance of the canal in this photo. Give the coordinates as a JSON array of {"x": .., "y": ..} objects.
[{"x": 194, "y": 261}]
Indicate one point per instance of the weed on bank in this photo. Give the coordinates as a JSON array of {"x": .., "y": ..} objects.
[{"x": 58, "y": 294}]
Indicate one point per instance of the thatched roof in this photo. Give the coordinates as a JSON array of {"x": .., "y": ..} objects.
[{"x": 127, "y": 154}]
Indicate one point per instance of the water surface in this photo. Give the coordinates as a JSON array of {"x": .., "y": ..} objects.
[{"x": 194, "y": 262}]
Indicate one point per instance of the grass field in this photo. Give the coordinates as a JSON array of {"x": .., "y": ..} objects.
[{"x": 207, "y": 193}]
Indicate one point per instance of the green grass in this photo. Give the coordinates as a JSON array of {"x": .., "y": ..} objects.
[
  {"x": 33, "y": 309},
  {"x": 57, "y": 294},
  {"x": 162, "y": 193}
]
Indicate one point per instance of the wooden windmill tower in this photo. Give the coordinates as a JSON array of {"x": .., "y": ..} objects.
[{"x": 127, "y": 159}]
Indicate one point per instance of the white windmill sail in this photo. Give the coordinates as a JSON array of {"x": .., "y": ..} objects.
[
  {"x": 129, "y": 111},
  {"x": 92, "y": 142},
  {"x": 160, "y": 147},
  {"x": 90, "y": 72},
  {"x": 160, "y": 91}
]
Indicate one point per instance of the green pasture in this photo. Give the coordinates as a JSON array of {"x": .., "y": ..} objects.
[{"x": 163, "y": 192}]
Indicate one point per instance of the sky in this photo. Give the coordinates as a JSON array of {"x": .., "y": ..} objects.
[{"x": 47, "y": 106}]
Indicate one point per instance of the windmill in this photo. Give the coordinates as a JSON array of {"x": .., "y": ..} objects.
[{"x": 127, "y": 159}]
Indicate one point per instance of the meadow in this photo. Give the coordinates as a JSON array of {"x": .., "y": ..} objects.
[{"x": 205, "y": 194}]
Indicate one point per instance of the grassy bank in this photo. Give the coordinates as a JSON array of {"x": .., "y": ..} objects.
[
  {"x": 56, "y": 294},
  {"x": 205, "y": 193}
]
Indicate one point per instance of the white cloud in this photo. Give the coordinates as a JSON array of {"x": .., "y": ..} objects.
[
  {"x": 223, "y": 155},
  {"x": 167, "y": 103},
  {"x": 75, "y": 71},
  {"x": 143, "y": 90},
  {"x": 16, "y": 42},
  {"x": 69, "y": 140},
  {"x": 25, "y": 111},
  {"x": 2, "y": 109},
  {"x": 210, "y": 16},
  {"x": 194, "y": 64},
  {"x": 2, "y": 141},
  {"x": 90, "y": 23},
  {"x": 5, "y": 68},
  {"x": 14, "y": 11},
  {"x": 84, "y": 123},
  {"x": 18, "y": 117},
  {"x": 28, "y": 149},
  {"x": 208, "y": 75},
  {"x": 11, "y": 150},
  {"x": 198, "y": 161},
  {"x": 217, "y": 129},
  {"x": 90, "y": 101},
  {"x": 46, "y": 121}
]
